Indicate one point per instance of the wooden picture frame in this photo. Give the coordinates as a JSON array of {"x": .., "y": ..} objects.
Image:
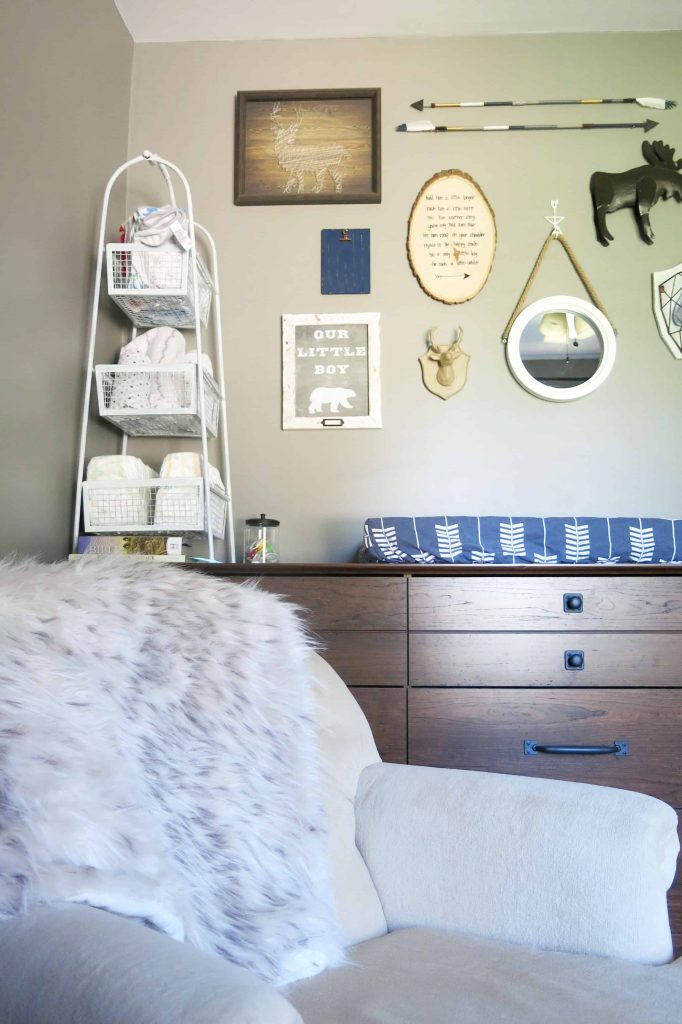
[
  {"x": 305, "y": 146},
  {"x": 330, "y": 371}
]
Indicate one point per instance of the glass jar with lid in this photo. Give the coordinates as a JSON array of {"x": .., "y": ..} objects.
[{"x": 261, "y": 539}]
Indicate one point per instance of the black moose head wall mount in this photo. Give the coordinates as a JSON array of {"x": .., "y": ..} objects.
[{"x": 639, "y": 188}]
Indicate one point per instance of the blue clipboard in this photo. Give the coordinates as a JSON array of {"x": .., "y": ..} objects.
[{"x": 345, "y": 261}]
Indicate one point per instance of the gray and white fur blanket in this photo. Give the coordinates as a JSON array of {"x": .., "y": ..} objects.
[{"x": 158, "y": 759}]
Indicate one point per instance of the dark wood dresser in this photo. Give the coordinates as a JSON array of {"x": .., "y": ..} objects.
[{"x": 564, "y": 672}]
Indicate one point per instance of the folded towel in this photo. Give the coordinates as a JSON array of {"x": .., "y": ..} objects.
[
  {"x": 132, "y": 390},
  {"x": 165, "y": 345},
  {"x": 191, "y": 357},
  {"x": 157, "y": 347},
  {"x": 138, "y": 346}
]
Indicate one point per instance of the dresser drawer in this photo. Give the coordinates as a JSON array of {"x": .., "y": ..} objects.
[
  {"x": 385, "y": 710},
  {"x": 486, "y": 730},
  {"x": 546, "y": 659},
  {"x": 343, "y": 603},
  {"x": 366, "y": 658},
  {"x": 518, "y": 603}
]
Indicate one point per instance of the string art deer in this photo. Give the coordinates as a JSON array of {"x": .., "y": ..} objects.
[{"x": 299, "y": 160}]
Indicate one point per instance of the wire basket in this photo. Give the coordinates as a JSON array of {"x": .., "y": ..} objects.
[
  {"x": 154, "y": 287},
  {"x": 157, "y": 401},
  {"x": 152, "y": 506}
]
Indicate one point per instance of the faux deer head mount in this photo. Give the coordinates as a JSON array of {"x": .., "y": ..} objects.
[{"x": 444, "y": 367}]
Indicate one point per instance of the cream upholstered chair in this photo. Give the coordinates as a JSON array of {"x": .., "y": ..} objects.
[{"x": 464, "y": 896}]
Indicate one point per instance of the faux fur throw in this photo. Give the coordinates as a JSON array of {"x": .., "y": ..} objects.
[{"x": 158, "y": 759}]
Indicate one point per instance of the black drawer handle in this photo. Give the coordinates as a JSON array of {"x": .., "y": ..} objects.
[
  {"x": 532, "y": 747},
  {"x": 574, "y": 661},
  {"x": 573, "y": 602}
]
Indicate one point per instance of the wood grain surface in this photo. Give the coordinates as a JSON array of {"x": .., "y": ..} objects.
[
  {"x": 343, "y": 603},
  {"x": 385, "y": 710},
  {"x": 535, "y": 604},
  {"x": 539, "y": 659},
  {"x": 366, "y": 658},
  {"x": 485, "y": 730}
]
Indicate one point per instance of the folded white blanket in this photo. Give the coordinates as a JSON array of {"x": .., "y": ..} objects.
[
  {"x": 161, "y": 346},
  {"x": 192, "y": 357},
  {"x": 132, "y": 390}
]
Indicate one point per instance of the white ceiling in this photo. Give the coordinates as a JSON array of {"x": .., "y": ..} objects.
[{"x": 164, "y": 21}]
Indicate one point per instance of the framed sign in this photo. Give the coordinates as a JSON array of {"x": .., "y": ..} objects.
[
  {"x": 308, "y": 146},
  {"x": 330, "y": 371},
  {"x": 451, "y": 237}
]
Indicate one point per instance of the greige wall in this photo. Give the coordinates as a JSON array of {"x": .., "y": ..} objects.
[
  {"x": 65, "y": 86},
  {"x": 493, "y": 448}
]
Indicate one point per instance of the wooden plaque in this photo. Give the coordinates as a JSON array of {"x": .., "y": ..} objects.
[{"x": 451, "y": 237}]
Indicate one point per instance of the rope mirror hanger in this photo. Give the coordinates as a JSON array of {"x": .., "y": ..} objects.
[{"x": 560, "y": 348}]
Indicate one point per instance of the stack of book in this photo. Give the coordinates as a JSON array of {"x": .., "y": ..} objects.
[{"x": 162, "y": 549}]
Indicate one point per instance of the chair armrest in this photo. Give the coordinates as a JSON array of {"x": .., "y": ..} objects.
[
  {"x": 72, "y": 964},
  {"x": 557, "y": 865}
]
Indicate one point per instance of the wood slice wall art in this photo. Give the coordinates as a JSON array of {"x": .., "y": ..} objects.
[{"x": 451, "y": 237}]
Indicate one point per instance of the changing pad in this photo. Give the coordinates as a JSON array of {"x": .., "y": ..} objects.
[{"x": 516, "y": 540}]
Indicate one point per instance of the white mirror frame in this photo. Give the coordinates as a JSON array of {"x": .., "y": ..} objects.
[{"x": 562, "y": 304}]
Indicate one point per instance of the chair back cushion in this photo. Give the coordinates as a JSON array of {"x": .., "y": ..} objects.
[{"x": 346, "y": 748}]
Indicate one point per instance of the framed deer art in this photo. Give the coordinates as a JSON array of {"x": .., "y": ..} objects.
[{"x": 307, "y": 146}]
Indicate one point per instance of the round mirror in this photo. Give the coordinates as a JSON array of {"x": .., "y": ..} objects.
[{"x": 561, "y": 348}]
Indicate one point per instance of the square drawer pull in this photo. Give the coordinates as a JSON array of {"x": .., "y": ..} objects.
[
  {"x": 574, "y": 661},
  {"x": 573, "y": 602}
]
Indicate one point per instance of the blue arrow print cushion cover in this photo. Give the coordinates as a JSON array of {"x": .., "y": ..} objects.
[{"x": 519, "y": 540}]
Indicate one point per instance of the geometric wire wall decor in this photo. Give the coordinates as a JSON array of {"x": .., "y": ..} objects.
[{"x": 667, "y": 298}]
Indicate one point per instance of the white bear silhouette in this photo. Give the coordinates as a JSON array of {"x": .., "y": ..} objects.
[{"x": 333, "y": 397}]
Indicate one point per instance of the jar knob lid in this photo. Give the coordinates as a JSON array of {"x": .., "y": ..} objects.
[{"x": 263, "y": 521}]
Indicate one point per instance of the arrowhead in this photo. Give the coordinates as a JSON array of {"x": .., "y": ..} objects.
[
  {"x": 648, "y": 125},
  {"x": 419, "y": 105},
  {"x": 467, "y": 275}
]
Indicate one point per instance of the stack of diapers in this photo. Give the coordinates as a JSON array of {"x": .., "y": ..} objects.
[
  {"x": 179, "y": 506},
  {"x": 157, "y": 389},
  {"x": 111, "y": 508}
]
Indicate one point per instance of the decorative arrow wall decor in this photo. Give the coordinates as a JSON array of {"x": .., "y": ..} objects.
[
  {"x": 653, "y": 102},
  {"x": 428, "y": 126}
]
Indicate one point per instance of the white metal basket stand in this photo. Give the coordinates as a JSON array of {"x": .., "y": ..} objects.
[{"x": 159, "y": 287}]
